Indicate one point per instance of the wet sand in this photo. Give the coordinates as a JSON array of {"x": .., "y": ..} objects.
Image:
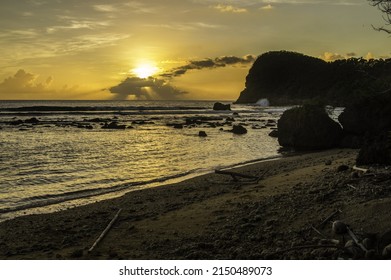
[{"x": 214, "y": 217}]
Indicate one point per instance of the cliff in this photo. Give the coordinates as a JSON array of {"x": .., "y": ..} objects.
[{"x": 292, "y": 78}]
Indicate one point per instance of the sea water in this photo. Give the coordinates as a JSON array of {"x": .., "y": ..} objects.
[{"x": 67, "y": 155}]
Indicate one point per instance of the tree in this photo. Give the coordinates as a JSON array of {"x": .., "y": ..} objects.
[{"x": 385, "y": 7}]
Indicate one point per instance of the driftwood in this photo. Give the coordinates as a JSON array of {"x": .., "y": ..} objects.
[
  {"x": 329, "y": 218},
  {"x": 364, "y": 170},
  {"x": 105, "y": 231},
  {"x": 235, "y": 175},
  {"x": 355, "y": 239}
]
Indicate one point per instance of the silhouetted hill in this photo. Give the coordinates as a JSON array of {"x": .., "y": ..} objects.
[{"x": 292, "y": 78}]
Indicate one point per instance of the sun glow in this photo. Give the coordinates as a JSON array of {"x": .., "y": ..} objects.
[{"x": 145, "y": 70}]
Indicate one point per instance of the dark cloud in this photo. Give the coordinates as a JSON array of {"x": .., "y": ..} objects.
[
  {"x": 152, "y": 88},
  {"x": 149, "y": 88},
  {"x": 209, "y": 63}
]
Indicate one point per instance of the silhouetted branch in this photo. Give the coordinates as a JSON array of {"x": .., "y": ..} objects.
[{"x": 385, "y": 7}]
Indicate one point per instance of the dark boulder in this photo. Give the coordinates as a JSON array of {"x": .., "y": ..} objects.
[
  {"x": 367, "y": 115},
  {"x": 221, "y": 107},
  {"x": 16, "y": 122},
  {"x": 32, "y": 120},
  {"x": 113, "y": 125},
  {"x": 308, "y": 128},
  {"x": 274, "y": 133},
  {"x": 238, "y": 129},
  {"x": 376, "y": 150},
  {"x": 178, "y": 126},
  {"x": 202, "y": 134}
]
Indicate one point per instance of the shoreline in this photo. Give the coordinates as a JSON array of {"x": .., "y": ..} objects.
[
  {"x": 64, "y": 204},
  {"x": 211, "y": 216}
]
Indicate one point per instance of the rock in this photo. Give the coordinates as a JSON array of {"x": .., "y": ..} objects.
[
  {"x": 17, "y": 122},
  {"x": 76, "y": 254},
  {"x": 202, "y": 134},
  {"x": 376, "y": 150},
  {"x": 221, "y": 107},
  {"x": 113, "y": 125},
  {"x": 342, "y": 168},
  {"x": 387, "y": 252},
  {"x": 308, "y": 128},
  {"x": 32, "y": 120},
  {"x": 367, "y": 115},
  {"x": 238, "y": 129},
  {"x": 339, "y": 227},
  {"x": 274, "y": 133},
  {"x": 178, "y": 126},
  {"x": 328, "y": 162}
]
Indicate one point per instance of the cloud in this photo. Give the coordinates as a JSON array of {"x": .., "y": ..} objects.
[
  {"x": 267, "y": 7},
  {"x": 24, "y": 82},
  {"x": 329, "y": 56},
  {"x": 78, "y": 24},
  {"x": 188, "y": 26},
  {"x": 229, "y": 9},
  {"x": 25, "y": 85},
  {"x": 148, "y": 88},
  {"x": 208, "y": 63},
  {"x": 105, "y": 8}
]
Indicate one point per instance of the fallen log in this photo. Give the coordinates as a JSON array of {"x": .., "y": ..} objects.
[
  {"x": 105, "y": 231},
  {"x": 235, "y": 175}
]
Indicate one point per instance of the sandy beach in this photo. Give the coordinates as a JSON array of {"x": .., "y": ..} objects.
[{"x": 287, "y": 214}]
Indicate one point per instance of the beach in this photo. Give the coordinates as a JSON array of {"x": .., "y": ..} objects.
[{"x": 287, "y": 214}]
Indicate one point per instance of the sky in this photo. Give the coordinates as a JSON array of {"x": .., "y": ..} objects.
[{"x": 177, "y": 49}]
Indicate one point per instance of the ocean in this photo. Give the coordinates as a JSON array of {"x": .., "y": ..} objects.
[{"x": 60, "y": 154}]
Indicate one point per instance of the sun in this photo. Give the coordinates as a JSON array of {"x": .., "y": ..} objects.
[{"x": 145, "y": 70}]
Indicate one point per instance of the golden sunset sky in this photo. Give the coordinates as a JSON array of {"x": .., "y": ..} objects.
[{"x": 194, "y": 49}]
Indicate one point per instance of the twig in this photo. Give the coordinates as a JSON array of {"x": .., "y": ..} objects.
[
  {"x": 329, "y": 218},
  {"x": 105, "y": 231},
  {"x": 355, "y": 239},
  {"x": 318, "y": 232},
  {"x": 351, "y": 186}
]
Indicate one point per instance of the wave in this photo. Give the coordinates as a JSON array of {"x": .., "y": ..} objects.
[
  {"x": 100, "y": 108},
  {"x": 50, "y": 199}
]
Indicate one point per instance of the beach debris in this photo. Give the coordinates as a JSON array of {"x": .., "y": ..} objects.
[
  {"x": 234, "y": 175},
  {"x": 317, "y": 231},
  {"x": 321, "y": 225},
  {"x": 202, "y": 134},
  {"x": 106, "y": 230},
  {"x": 364, "y": 170},
  {"x": 356, "y": 240}
]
